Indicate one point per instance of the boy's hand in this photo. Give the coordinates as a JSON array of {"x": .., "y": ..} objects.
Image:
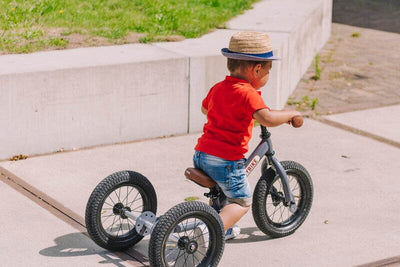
[
  {"x": 272, "y": 118},
  {"x": 297, "y": 121}
]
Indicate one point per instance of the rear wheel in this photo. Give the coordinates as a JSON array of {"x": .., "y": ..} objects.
[
  {"x": 270, "y": 212},
  {"x": 106, "y": 222},
  {"x": 189, "y": 234}
]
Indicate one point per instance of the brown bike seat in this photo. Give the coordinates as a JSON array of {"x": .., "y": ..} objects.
[{"x": 199, "y": 177}]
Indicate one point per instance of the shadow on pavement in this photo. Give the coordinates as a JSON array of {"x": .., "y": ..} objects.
[
  {"x": 383, "y": 15},
  {"x": 78, "y": 245},
  {"x": 249, "y": 235}
]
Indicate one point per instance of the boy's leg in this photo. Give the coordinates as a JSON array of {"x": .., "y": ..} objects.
[
  {"x": 232, "y": 182},
  {"x": 231, "y": 214}
]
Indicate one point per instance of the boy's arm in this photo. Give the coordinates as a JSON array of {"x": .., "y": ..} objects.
[
  {"x": 271, "y": 118},
  {"x": 203, "y": 110}
]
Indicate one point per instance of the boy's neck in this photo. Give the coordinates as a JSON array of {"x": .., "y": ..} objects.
[{"x": 240, "y": 76}]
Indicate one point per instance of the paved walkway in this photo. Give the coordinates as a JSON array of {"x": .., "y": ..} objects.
[
  {"x": 357, "y": 73},
  {"x": 353, "y": 219},
  {"x": 349, "y": 145}
]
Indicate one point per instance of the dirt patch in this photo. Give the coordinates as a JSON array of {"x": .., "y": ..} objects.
[
  {"x": 41, "y": 39},
  {"x": 359, "y": 65},
  {"x": 358, "y": 71}
]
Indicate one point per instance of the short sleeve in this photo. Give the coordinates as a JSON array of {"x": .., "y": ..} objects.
[
  {"x": 254, "y": 102},
  {"x": 206, "y": 101}
]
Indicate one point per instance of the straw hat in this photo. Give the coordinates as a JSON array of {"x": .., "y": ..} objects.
[{"x": 250, "y": 45}]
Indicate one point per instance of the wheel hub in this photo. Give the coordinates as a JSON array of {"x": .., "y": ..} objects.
[
  {"x": 184, "y": 243},
  {"x": 119, "y": 209},
  {"x": 277, "y": 197}
]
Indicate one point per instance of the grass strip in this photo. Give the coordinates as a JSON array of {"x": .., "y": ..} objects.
[{"x": 32, "y": 25}]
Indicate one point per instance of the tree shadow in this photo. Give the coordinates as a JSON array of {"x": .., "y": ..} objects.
[
  {"x": 383, "y": 15},
  {"x": 78, "y": 245}
]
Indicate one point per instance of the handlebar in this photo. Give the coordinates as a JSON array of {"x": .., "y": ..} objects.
[
  {"x": 297, "y": 121},
  {"x": 264, "y": 132}
]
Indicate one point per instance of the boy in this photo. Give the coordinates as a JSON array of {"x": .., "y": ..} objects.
[{"x": 231, "y": 107}]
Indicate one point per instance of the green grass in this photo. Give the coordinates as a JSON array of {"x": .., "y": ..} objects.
[
  {"x": 304, "y": 104},
  {"x": 31, "y": 25},
  {"x": 317, "y": 75}
]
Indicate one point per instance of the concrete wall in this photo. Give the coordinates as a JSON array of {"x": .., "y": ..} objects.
[
  {"x": 90, "y": 96},
  {"x": 134, "y": 95}
]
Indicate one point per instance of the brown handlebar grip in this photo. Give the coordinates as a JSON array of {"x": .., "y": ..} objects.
[{"x": 297, "y": 121}]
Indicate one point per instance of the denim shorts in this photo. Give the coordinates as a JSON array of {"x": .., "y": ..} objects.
[{"x": 229, "y": 175}]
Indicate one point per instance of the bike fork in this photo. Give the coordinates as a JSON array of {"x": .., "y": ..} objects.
[{"x": 289, "y": 199}]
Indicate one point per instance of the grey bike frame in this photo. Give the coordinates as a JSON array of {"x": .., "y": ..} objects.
[
  {"x": 147, "y": 221},
  {"x": 265, "y": 148}
]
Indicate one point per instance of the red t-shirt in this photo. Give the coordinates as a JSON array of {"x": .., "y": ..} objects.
[{"x": 230, "y": 104}]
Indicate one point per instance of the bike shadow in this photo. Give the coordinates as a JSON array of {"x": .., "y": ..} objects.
[
  {"x": 249, "y": 235},
  {"x": 79, "y": 245}
]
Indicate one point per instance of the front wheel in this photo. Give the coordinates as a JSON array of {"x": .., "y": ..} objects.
[
  {"x": 270, "y": 212},
  {"x": 189, "y": 234}
]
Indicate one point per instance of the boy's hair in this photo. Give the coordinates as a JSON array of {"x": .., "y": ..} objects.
[{"x": 234, "y": 64}]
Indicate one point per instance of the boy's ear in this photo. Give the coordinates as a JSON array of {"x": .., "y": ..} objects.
[{"x": 257, "y": 68}]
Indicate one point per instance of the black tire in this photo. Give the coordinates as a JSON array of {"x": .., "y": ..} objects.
[
  {"x": 121, "y": 190},
  {"x": 202, "y": 245},
  {"x": 269, "y": 212}
]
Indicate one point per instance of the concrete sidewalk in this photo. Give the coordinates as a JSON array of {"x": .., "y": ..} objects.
[
  {"x": 33, "y": 236},
  {"x": 354, "y": 219}
]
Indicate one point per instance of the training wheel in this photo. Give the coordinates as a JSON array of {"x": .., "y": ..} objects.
[{"x": 106, "y": 220}]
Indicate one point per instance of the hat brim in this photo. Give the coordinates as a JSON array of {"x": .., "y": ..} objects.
[{"x": 253, "y": 57}]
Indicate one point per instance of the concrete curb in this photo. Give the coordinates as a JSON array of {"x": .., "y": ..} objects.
[{"x": 91, "y": 96}]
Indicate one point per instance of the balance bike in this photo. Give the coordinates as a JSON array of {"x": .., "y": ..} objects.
[{"x": 122, "y": 210}]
